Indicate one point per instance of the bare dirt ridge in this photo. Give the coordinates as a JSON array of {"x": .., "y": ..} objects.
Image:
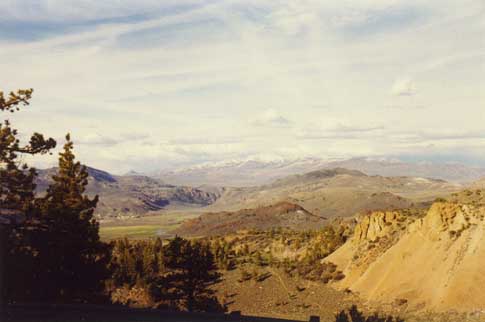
[{"x": 435, "y": 262}]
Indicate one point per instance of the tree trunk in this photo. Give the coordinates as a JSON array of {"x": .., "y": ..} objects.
[
  {"x": 190, "y": 302},
  {"x": 3, "y": 264}
]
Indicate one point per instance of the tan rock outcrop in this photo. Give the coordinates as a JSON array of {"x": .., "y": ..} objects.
[
  {"x": 377, "y": 224},
  {"x": 437, "y": 263},
  {"x": 374, "y": 233}
]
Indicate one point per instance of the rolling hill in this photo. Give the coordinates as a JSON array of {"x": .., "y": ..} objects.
[
  {"x": 337, "y": 192},
  {"x": 283, "y": 214}
]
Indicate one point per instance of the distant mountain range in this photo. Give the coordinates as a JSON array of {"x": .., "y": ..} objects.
[
  {"x": 134, "y": 195},
  {"x": 324, "y": 190},
  {"x": 310, "y": 200},
  {"x": 254, "y": 172}
]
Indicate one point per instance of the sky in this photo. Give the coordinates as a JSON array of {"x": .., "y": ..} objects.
[{"x": 147, "y": 85}]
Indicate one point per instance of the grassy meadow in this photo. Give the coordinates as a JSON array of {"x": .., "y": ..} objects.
[{"x": 159, "y": 225}]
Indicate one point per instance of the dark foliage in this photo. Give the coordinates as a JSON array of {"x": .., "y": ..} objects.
[
  {"x": 354, "y": 315},
  {"x": 315, "y": 245},
  {"x": 54, "y": 251},
  {"x": 190, "y": 270},
  {"x": 135, "y": 263},
  {"x": 16, "y": 178},
  {"x": 224, "y": 254},
  {"x": 177, "y": 275}
]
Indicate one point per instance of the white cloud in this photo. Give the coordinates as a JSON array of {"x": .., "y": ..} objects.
[
  {"x": 271, "y": 118},
  {"x": 205, "y": 141},
  {"x": 404, "y": 87},
  {"x": 192, "y": 77},
  {"x": 338, "y": 129},
  {"x": 95, "y": 138}
]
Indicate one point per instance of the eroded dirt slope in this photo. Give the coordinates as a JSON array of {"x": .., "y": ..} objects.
[{"x": 435, "y": 262}]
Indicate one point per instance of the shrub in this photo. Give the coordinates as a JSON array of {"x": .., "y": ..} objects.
[
  {"x": 354, "y": 315},
  {"x": 245, "y": 276}
]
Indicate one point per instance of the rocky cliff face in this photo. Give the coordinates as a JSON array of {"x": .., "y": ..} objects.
[
  {"x": 435, "y": 262},
  {"x": 449, "y": 220},
  {"x": 134, "y": 195},
  {"x": 374, "y": 233},
  {"x": 378, "y": 224},
  {"x": 192, "y": 196}
]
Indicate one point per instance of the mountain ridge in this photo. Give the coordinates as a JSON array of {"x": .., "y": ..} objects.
[
  {"x": 254, "y": 172},
  {"x": 124, "y": 196},
  {"x": 337, "y": 192}
]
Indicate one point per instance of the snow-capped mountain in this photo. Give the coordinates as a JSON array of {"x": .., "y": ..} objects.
[{"x": 257, "y": 171}]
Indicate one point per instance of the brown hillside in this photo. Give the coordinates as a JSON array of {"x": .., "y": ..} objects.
[
  {"x": 338, "y": 193},
  {"x": 282, "y": 214}
]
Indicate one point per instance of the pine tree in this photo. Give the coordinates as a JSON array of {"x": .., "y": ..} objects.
[
  {"x": 75, "y": 257},
  {"x": 190, "y": 270},
  {"x": 150, "y": 265},
  {"x": 16, "y": 178},
  {"x": 17, "y": 202},
  {"x": 159, "y": 252}
]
